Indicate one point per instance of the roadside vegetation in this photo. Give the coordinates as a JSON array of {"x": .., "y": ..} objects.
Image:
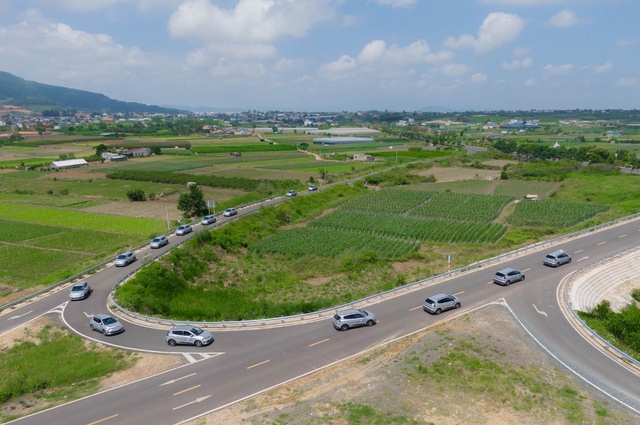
[
  {"x": 53, "y": 366},
  {"x": 621, "y": 328}
]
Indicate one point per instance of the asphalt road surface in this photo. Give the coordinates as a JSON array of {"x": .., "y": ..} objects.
[{"x": 241, "y": 363}]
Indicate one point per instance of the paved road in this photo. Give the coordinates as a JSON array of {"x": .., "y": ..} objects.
[{"x": 241, "y": 363}]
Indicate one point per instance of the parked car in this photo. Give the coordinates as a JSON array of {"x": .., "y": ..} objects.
[
  {"x": 79, "y": 291},
  {"x": 183, "y": 230},
  {"x": 556, "y": 258},
  {"x": 507, "y": 276},
  {"x": 106, "y": 324},
  {"x": 190, "y": 335},
  {"x": 438, "y": 303},
  {"x": 229, "y": 212},
  {"x": 125, "y": 259},
  {"x": 291, "y": 193},
  {"x": 208, "y": 219},
  {"x": 159, "y": 242},
  {"x": 352, "y": 318},
  {"x": 312, "y": 188}
]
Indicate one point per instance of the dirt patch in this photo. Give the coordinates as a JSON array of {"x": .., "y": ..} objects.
[
  {"x": 620, "y": 296},
  {"x": 321, "y": 280},
  {"x": 399, "y": 383},
  {"x": 166, "y": 208},
  {"x": 449, "y": 174}
]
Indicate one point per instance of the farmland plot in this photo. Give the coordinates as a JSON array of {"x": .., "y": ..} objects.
[
  {"x": 553, "y": 214},
  {"x": 395, "y": 201},
  {"x": 462, "y": 207}
]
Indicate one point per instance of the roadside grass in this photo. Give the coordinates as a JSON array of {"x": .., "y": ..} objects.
[
  {"x": 621, "y": 328},
  {"x": 621, "y": 192},
  {"x": 54, "y": 366},
  {"x": 50, "y": 201}
]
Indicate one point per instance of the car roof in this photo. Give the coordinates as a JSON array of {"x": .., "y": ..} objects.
[
  {"x": 127, "y": 253},
  {"x": 507, "y": 270},
  {"x": 102, "y": 316},
  {"x": 81, "y": 282},
  {"x": 439, "y": 296},
  {"x": 182, "y": 328}
]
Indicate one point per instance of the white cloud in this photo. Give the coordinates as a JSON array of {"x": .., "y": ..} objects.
[
  {"x": 530, "y": 82},
  {"x": 419, "y": 51},
  {"x": 95, "y": 5},
  {"x": 496, "y": 30},
  {"x": 249, "y": 21},
  {"x": 558, "y": 69},
  {"x": 517, "y": 64},
  {"x": 626, "y": 43},
  {"x": 479, "y": 78},
  {"x": 566, "y": 19},
  {"x": 627, "y": 82},
  {"x": 398, "y": 3},
  {"x": 604, "y": 68},
  {"x": 454, "y": 69},
  {"x": 342, "y": 65}
]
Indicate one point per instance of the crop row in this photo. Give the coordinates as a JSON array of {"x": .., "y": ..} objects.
[
  {"x": 553, "y": 214},
  {"x": 411, "y": 228},
  {"x": 462, "y": 206},
  {"x": 295, "y": 243},
  {"x": 388, "y": 201}
]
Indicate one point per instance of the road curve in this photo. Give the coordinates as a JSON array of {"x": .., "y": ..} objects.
[{"x": 241, "y": 363}]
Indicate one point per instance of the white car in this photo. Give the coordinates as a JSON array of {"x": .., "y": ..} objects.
[{"x": 291, "y": 193}]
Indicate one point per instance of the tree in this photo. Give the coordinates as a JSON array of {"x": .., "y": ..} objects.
[
  {"x": 192, "y": 203},
  {"x": 100, "y": 149}
]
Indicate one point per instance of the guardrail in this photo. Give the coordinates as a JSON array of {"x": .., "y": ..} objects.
[
  {"x": 601, "y": 342},
  {"x": 321, "y": 314}
]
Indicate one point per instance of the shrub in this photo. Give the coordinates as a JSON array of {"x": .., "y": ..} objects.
[{"x": 136, "y": 195}]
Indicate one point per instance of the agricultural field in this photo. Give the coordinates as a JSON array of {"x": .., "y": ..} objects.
[
  {"x": 393, "y": 223},
  {"x": 553, "y": 214}
]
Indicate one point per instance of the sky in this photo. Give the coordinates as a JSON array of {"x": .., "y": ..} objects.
[{"x": 332, "y": 55}]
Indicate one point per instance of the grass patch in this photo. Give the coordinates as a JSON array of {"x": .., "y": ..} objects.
[{"x": 54, "y": 364}]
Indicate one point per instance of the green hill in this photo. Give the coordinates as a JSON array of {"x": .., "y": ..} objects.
[{"x": 39, "y": 97}]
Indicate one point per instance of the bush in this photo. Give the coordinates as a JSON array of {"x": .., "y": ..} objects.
[{"x": 136, "y": 195}]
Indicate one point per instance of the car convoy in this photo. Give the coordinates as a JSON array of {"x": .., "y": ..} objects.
[{"x": 342, "y": 320}]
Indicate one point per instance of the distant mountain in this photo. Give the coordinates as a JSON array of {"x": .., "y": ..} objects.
[{"x": 38, "y": 97}]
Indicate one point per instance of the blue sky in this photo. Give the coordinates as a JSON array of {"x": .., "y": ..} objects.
[{"x": 332, "y": 55}]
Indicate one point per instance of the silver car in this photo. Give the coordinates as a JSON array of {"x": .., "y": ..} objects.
[
  {"x": 507, "y": 276},
  {"x": 229, "y": 212},
  {"x": 159, "y": 242},
  {"x": 556, "y": 258},
  {"x": 106, "y": 324},
  {"x": 209, "y": 219},
  {"x": 183, "y": 230},
  {"x": 353, "y": 318},
  {"x": 125, "y": 259},
  {"x": 438, "y": 303},
  {"x": 291, "y": 193},
  {"x": 79, "y": 290},
  {"x": 189, "y": 335}
]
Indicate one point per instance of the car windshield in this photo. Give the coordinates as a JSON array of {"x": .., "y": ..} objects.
[
  {"x": 109, "y": 321},
  {"x": 78, "y": 288},
  {"x": 156, "y": 240},
  {"x": 122, "y": 257},
  {"x": 196, "y": 331},
  {"x": 550, "y": 256},
  {"x": 500, "y": 274}
]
